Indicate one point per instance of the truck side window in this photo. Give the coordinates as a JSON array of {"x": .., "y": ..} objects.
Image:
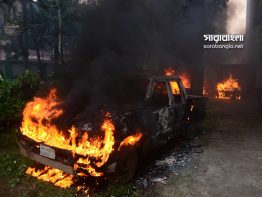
[
  {"x": 159, "y": 97},
  {"x": 176, "y": 91}
]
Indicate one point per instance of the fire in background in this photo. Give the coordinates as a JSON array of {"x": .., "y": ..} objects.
[
  {"x": 183, "y": 76},
  {"x": 229, "y": 89}
]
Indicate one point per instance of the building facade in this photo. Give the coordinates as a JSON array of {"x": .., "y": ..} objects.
[{"x": 254, "y": 45}]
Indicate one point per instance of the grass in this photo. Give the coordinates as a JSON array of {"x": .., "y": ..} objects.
[
  {"x": 12, "y": 164},
  {"x": 119, "y": 190},
  {"x": 13, "y": 180}
]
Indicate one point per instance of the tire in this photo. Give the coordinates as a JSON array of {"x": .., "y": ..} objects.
[{"x": 127, "y": 163}]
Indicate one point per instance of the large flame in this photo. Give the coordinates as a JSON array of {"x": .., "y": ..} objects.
[
  {"x": 37, "y": 125},
  {"x": 228, "y": 89}
]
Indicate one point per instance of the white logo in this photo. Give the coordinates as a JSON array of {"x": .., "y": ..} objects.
[
  {"x": 226, "y": 41},
  {"x": 224, "y": 38}
]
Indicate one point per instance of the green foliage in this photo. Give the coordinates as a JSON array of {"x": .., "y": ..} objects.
[
  {"x": 10, "y": 104},
  {"x": 118, "y": 189},
  {"x": 48, "y": 190},
  {"x": 12, "y": 172},
  {"x": 11, "y": 166},
  {"x": 13, "y": 96},
  {"x": 26, "y": 85}
]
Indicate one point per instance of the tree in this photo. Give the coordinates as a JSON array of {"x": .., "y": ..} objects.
[
  {"x": 50, "y": 25},
  {"x": 53, "y": 26}
]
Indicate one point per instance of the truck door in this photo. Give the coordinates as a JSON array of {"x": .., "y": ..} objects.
[
  {"x": 179, "y": 101},
  {"x": 160, "y": 102}
]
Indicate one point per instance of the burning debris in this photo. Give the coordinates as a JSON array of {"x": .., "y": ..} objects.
[
  {"x": 229, "y": 89},
  {"x": 180, "y": 158}
]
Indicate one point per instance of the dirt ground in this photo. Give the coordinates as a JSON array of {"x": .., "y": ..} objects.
[{"x": 231, "y": 164}]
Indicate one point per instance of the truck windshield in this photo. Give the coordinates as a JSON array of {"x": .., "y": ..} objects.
[{"x": 132, "y": 91}]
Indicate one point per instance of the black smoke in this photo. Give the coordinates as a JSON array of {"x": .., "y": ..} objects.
[{"x": 123, "y": 37}]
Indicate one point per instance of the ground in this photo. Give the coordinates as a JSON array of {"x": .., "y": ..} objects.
[
  {"x": 231, "y": 164},
  {"x": 224, "y": 160}
]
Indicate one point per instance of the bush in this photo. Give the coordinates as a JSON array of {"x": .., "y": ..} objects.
[
  {"x": 13, "y": 96},
  {"x": 26, "y": 85}
]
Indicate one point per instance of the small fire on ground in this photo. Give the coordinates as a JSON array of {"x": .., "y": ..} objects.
[
  {"x": 92, "y": 152},
  {"x": 229, "y": 89},
  {"x": 52, "y": 175}
]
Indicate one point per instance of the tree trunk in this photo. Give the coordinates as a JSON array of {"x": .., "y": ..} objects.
[
  {"x": 56, "y": 56},
  {"x": 38, "y": 59},
  {"x": 41, "y": 65},
  {"x": 60, "y": 35},
  {"x": 58, "y": 52},
  {"x": 25, "y": 36}
]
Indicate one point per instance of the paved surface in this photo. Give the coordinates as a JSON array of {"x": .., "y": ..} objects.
[{"x": 231, "y": 164}]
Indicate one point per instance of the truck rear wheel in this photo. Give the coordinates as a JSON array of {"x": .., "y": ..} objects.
[{"x": 127, "y": 163}]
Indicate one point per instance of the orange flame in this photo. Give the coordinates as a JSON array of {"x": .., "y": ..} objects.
[
  {"x": 169, "y": 72},
  {"x": 51, "y": 175},
  {"x": 37, "y": 125},
  {"x": 130, "y": 140},
  {"x": 227, "y": 88},
  {"x": 174, "y": 88},
  {"x": 205, "y": 92},
  {"x": 185, "y": 80},
  {"x": 184, "y": 77}
]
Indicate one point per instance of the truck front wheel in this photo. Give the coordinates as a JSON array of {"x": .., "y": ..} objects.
[{"x": 127, "y": 163}]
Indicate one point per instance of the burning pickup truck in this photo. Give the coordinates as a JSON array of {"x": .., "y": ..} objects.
[{"x": 151, "y": 111}]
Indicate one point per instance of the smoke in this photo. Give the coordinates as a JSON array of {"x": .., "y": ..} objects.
[
  {"x": 236, "y": 23},
  {"x": 123, "y": 37}
]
